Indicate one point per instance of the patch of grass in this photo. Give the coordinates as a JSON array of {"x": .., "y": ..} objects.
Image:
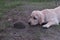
[
  {"x": 5, "y": 5},
  {"x": 39, "y": 0},
  {"x": 11, "y": 4}
]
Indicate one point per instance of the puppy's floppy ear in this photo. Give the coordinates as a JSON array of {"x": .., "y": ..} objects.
[
  {"x": 42, "y": 15},
  {"x": 41, "y": 18}
]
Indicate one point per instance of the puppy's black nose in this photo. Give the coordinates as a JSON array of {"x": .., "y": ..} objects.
[{"x": 29, "y": 23}]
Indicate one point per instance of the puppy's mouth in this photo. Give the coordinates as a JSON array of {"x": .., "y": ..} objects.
[{"x": 37, "y": 24}]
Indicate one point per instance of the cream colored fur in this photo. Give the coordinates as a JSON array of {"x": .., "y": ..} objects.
[{"x": 51, "y": 16}]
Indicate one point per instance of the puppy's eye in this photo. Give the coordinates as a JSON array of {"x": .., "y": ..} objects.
[{"x": 34, "y": 18}]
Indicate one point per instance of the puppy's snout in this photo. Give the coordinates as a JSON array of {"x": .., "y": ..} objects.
[{"x": 29, "y": 23}]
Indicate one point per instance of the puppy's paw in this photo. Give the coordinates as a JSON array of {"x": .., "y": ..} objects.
[{"x": 45, "y": 26}]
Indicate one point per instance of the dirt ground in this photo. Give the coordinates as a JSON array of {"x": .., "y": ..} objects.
[{"x": 21, "y": 14}]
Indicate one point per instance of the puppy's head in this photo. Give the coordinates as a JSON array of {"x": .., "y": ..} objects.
[{"x": 36, "y": 18}]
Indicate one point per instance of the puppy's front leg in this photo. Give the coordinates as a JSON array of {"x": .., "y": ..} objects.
[{"x": 50, "y": 24}]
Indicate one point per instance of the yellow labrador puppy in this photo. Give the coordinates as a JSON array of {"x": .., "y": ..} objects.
[{"x": 51, "y": 16}]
